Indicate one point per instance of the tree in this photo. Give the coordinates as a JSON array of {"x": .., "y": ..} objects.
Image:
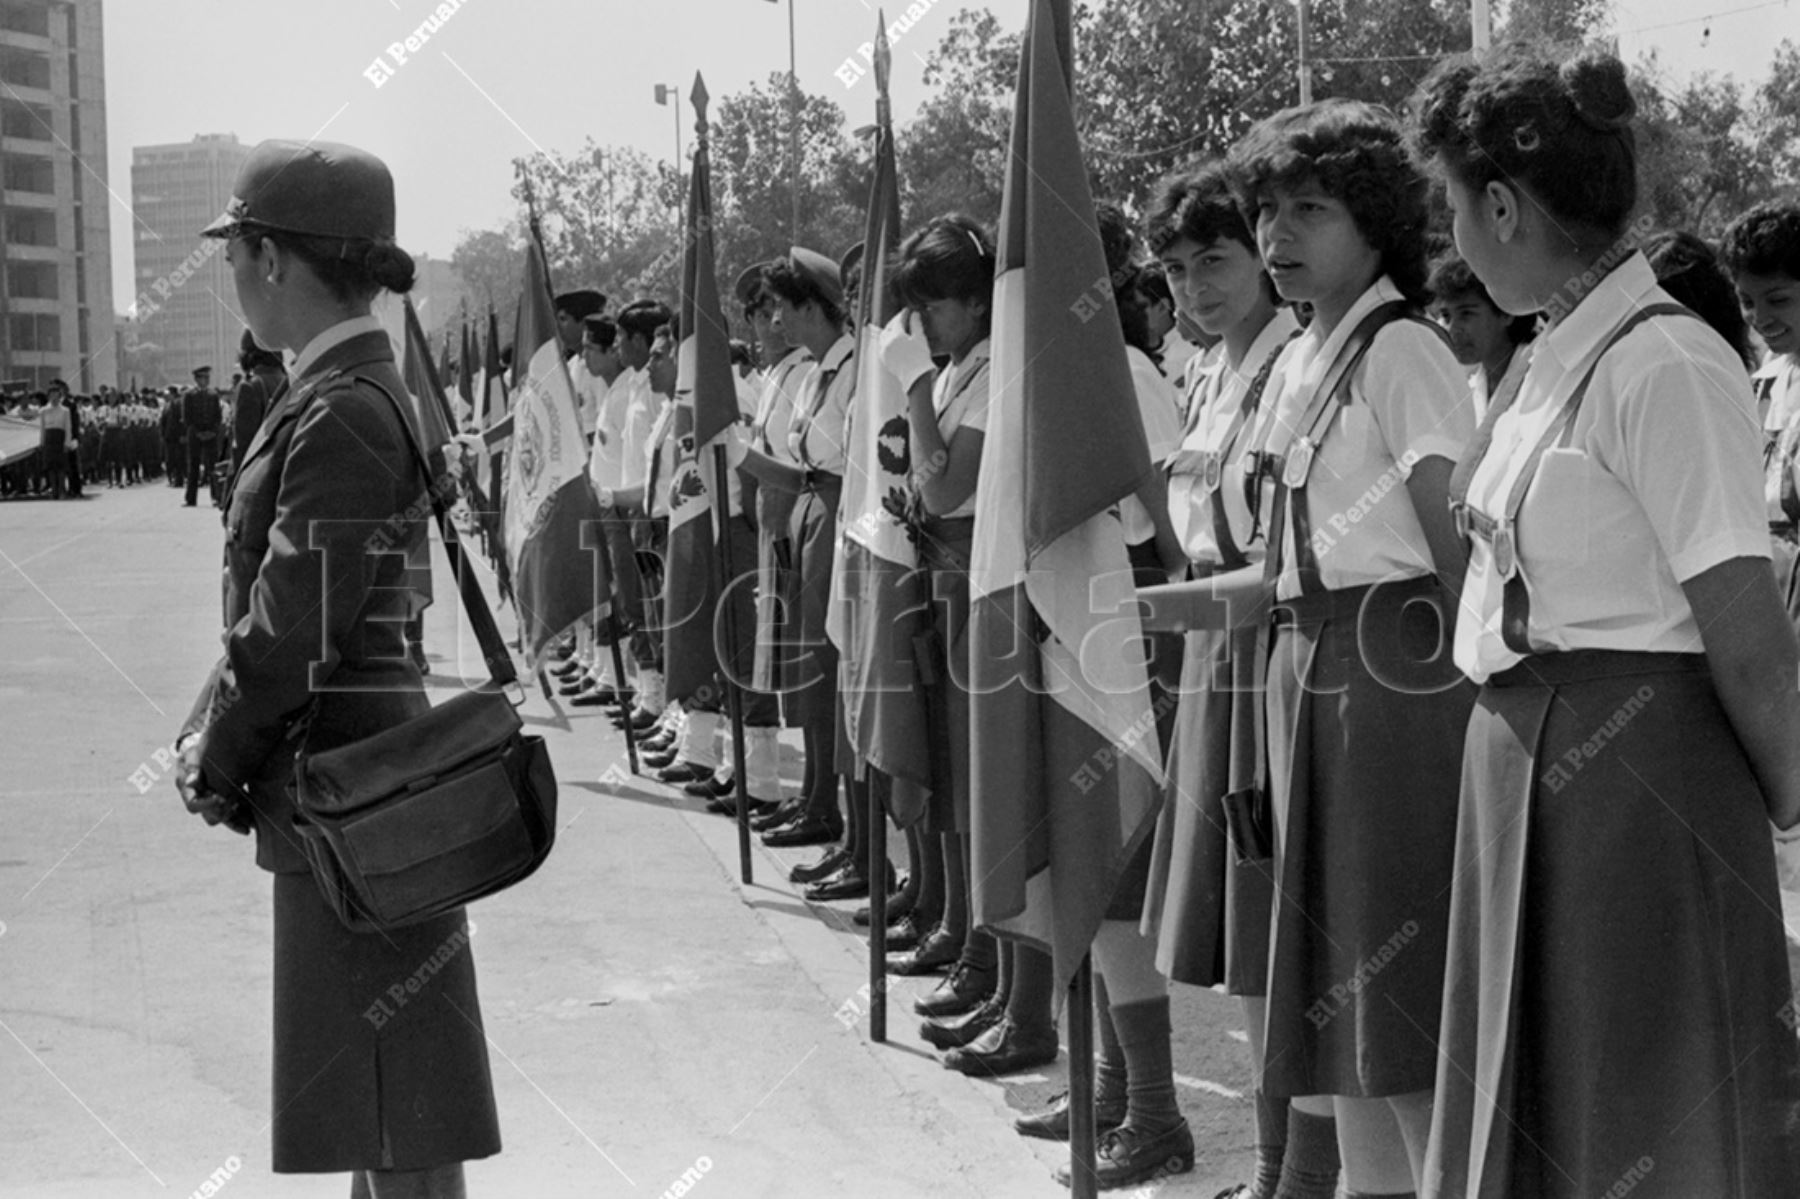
[
  {"x": 1709, "y": 150},
  {"x": 752, "y": 191},
  {"x": 608, "y": 216},
  {"x": 488, "y": 261},
  {"x": 1559, "y": 22}
]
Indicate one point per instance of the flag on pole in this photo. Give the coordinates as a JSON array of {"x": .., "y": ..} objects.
[
  {"x": 1066, "y": 765},
  {"x": 437, "y": 428},
  {"x": 497, "y": 430},
  {"x": 880, "y": 591},
  {"x": 548, "y": 498},
  {"x": 465, "y": 376},
  {"x": 706, "y": 399}
]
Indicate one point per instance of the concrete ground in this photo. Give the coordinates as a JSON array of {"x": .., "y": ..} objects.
[{"x": 647, "y": 1015}]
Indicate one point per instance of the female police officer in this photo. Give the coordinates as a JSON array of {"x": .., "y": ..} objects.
[{"x": 396, "y": 1092}]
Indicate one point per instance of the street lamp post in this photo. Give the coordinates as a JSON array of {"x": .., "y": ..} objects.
[
  {"x": 666, "y": 94},
  {"x": 793, "y": 128}
]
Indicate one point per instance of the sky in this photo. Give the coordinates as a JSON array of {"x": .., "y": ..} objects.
[{"x": 502, "y": 78}]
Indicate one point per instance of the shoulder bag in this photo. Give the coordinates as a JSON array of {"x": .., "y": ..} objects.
[{"x": 451, "y": 806}]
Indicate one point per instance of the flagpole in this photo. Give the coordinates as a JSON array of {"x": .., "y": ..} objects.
[
  {"x": 734, "y": 700},
  {"x": 697, "y": 255},
  {"x": 876, "y": 823},
  {"x": 1082, "y": 1183}
]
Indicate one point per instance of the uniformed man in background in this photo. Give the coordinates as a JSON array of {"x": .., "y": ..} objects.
[{"x": 201, "y": 417}]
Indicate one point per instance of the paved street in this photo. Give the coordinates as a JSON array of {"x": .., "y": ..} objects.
[{"x": 644, "y": 1010}]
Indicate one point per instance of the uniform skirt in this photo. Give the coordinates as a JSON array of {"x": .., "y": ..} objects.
[
  {"x": 1617, "y": 1007},
  {"x": 380, "y": 1060},
  {"x": 1208, "y": 910},
  {"x": 813, "y": 687},
  {"x": 1366, "y": 715},
  {"x": 944, "y": 551}
]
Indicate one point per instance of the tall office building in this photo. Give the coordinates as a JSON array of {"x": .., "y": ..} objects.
[
  {"x": 185, "y": 303},
  {"x": 56, "y": 313}
]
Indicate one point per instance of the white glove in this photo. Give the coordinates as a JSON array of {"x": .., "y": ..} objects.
[
  {"x": 605, "y": 495},
  {"x": 1787, "y": 858},
  {"x": 905, "y": 352}
]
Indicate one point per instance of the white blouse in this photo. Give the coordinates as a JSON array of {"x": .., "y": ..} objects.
[
  {"x": 1408, "y": 401},
  {"x": 959, "y": 396},
  {"x": 1216, "y": 392},
  {"x": 1658, "y": 482}
]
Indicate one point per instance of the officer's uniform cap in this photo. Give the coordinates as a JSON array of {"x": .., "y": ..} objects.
[
  {"x": 581, "y": 304},
  {"x": 317, "y": 189},
  {"x": 821, "y": 270},
  {"x": 750, "y": 283}
]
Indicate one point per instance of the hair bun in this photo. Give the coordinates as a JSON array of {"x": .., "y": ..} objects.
[
  {"x": 1598, "y": 91},
  {"x": 390, "y": 266}
]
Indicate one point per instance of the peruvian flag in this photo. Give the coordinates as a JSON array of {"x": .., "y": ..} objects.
[
  {"x": 879, "y": 591},
  {"x": 1066, "y": 765},
  {"x": 548, "y": 498}
]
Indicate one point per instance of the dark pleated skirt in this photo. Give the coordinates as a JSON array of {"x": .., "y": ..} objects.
[
  {"x": 1366, "y": 720},
  {"x": 944, "y": 551},
  {"x": 380, "y": 1060},
  {"x": 1208, "y": 911},
  {"x": 1618, "y": 1004},
  {"x": 813, "y": 686}
]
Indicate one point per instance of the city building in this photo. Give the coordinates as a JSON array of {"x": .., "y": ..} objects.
[
  {"x": 186, "y": 304},
  {"x": 56, "y": 312}
]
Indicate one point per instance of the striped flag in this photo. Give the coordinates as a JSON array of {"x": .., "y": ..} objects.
[
  {"x": 1066, "y": 766},
  {"x": 706, "y": 399},
  {"x": 880, "y": 591},
  {"x": 548, "y": 497}
]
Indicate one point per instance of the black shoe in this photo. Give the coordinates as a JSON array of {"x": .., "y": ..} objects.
[
  {"x": 953, "y": 1032},
  {"x": 1052, "y": 1124},
  {"x": 935, "y": 954},
  {"x": 579, "y": 683},
  {"x": 808, "y": 830},
  {"x": 963, "y": 991},
  {"x": 852, "y": 882},
  {"x": 1129, "y": 1155},
  {"x": 834, "y": 860},
  {"x": 685, "y": 772},
  {"x": 568, "y": 669},
  {"x": 785, "y": 812},
  {"x": 900, "y": 902},
  {"x": 1004, "y": 1049},
  {"x": 906, "y": 932},
  {"x": 659, "y": 742},
  {"x": 585, "y": 697},
  {"x": 641, "y": 721},
  {"x": 613, "y": 697},
  {"x": 660, "y": 761},
  {"x": 716, "y": 786}
]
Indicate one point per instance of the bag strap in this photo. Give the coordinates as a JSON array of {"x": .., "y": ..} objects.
[
  {"x": 1501, "y": 533},
  {"x": 481, "y": 618}
]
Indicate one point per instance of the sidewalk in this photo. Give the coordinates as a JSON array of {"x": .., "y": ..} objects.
[{"x": 647, "y": 1016}]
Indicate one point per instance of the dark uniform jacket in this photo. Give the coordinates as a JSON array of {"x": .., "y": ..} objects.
[
  {"x": 326, "y": 511},
  {"x": 202, "y": 413},
  {"x": 247, "y": 410}
]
